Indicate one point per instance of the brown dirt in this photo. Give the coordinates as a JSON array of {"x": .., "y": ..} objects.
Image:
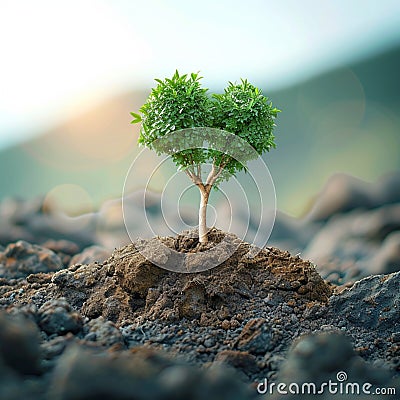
[{"x": 127, "y": 287}]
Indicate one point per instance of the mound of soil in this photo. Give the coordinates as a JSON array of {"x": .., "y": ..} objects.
[
  {"x": 228, "y": 289},
  {"x": 127, "y": 287}
]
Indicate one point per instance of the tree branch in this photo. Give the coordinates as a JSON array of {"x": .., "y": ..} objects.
[
  {"x": 191, "y": 169},
  {"x": 189, "y": 174},
  {"x": 193, "y": 177},
  {"x": 193, "y": 165},
  {"x": 199, "y": 170},
  {"x": 221, "y": 168},
  {"x": 214, "y": 174},
  {"x": 211, "y": 174}
]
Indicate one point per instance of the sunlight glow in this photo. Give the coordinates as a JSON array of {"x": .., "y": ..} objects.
[{"x": 59, "y": 58}]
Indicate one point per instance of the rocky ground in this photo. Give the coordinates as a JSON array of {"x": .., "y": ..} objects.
[{"x": 80, "y": 320}]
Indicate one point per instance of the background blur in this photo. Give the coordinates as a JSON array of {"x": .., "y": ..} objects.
[{"x": 72, "y": 71}]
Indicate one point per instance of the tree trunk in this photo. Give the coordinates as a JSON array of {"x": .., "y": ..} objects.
[{"x": 204, "y": 195}]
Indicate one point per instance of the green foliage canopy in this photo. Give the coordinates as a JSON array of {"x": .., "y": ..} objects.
[{"x": 181, "y": 103}]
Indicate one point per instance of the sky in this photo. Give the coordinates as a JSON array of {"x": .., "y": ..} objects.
[{"x": 62, "y": 57}]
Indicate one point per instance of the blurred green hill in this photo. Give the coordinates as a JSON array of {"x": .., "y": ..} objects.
[{"x": 345, "y": 120}]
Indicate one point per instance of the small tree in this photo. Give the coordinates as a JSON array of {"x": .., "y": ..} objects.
[{"x": 181, "y": 103}]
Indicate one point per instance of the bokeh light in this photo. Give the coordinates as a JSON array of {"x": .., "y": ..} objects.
[{"x": 64, "y": 198}]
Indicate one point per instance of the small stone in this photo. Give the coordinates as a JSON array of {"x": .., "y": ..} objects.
[
  {"x": 238, "y": 359},
  {"x": 302, "y": 290},
  {"x": 295, "y": 284},
  {"x": 225, "y": 324},
  {"x": 224, "y": 313},
  {"x": 62, "y": 246},
  {"x": 91, "y": 337},
  {"x": 210, "y": 342},
  {"x": 21, "y": 259},
  {"x": 291, "y": 303},
  {"x": 256, "y": 337},
  {"x": 56, "y": 346},
  {"x": 234, "y": 324},
  {"x": 90, "y": 255},
  {"x": 396, "y": 337},
  {"x": 57, "y": 317}
]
